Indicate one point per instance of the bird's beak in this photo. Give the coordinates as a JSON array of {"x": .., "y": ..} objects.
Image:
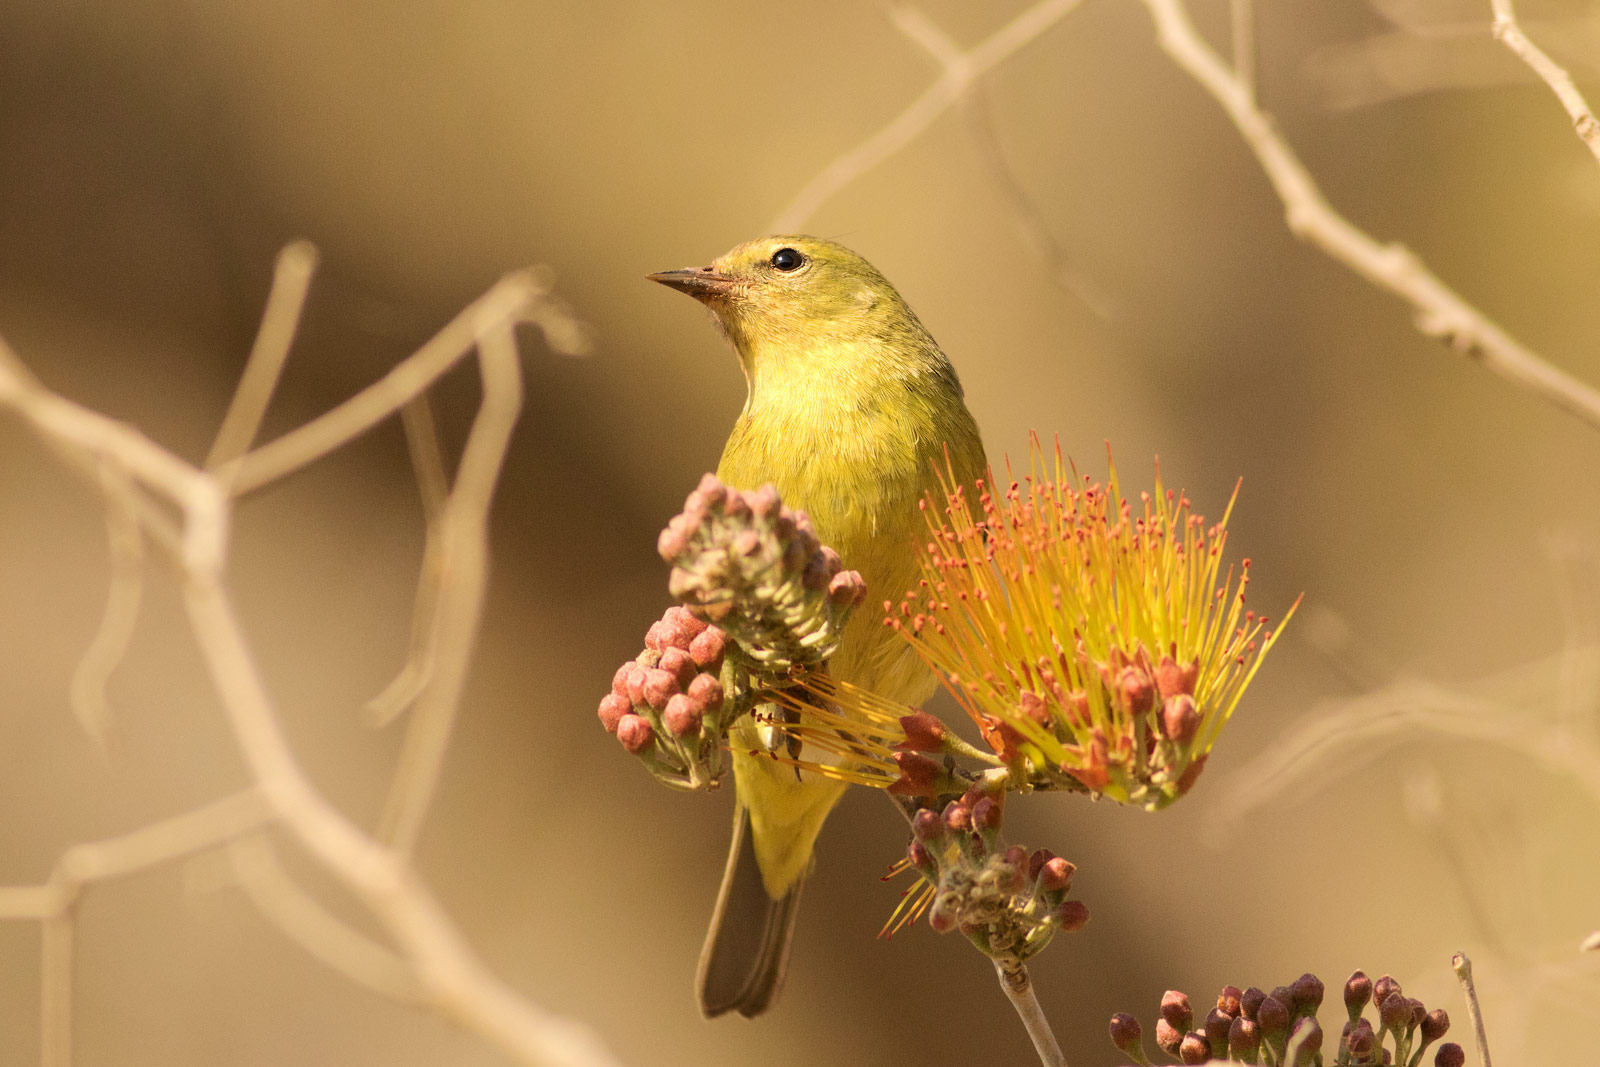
[{"x": 702, "y": 283}]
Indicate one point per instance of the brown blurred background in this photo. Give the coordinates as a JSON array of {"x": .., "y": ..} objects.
[{"x": 154, "y": 155}]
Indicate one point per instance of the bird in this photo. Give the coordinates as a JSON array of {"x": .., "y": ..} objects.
[{"x": 852, "y": 412}]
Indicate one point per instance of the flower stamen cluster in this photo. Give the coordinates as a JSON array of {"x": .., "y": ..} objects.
[{"x": 1091, "y": 641}]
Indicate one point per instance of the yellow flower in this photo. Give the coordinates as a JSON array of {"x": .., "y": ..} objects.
[{"x": 1089, "y": 637}]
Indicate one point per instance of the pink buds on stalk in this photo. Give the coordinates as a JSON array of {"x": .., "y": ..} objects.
[
  {"x": 667, "y": 706},
  {"x": 1280, "y": 1028},
  {"x": 755, "y": 568}
]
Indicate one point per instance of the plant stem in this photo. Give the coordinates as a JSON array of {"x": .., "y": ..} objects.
[
  {"x": 1463, "y": 969},
  {"x": 1019, "y": 988}
]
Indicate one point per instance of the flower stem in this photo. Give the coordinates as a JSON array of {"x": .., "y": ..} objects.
[
  {"x": 1463, "y": 968},
  {"x": 1019, "y": 988}
]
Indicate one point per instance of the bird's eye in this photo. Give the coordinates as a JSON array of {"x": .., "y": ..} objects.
[{"x": 787, "y": 259}]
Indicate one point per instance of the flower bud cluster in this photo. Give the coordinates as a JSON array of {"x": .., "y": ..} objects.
[
  {"x": 755, "y": 568},
  {"x": 670, "y": 705},
  {"x": 1008, "y": 902},
  {"x": 1280, "y": 1028}
]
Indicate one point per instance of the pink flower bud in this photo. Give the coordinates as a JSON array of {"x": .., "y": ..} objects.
[
  {"x": 706, "y": 692},
  {"x": 1073, "y": 914},
  {"x": 1194, "y": 1048},
  {"x": 1176, "y": 1010},
  {"x": 681, "y": 716},
  {"x": 671, "y": 543},
  {"x": 635, "y": 733},
  {"x": 927, "y": 826},
  {"x": 1172, "y": 679},
  {"x": 676, "y": 662},
  {"x": 613, "y": 707},
  {"x": 619, "y": 681},
  {"x": 706, "y": 648},
  {"x": 986, "y": 814},
  {"x": 659, "y": 685},
  {"x": 1180, "y": 719},
  {"x": 958, "y": 817},
  {"x": 1056, "y": 875},
  {"x": 1168, "y": 1037},
  {"x": 1450, "y": 1054},
  {"x": 684, "y": 620},
  {"x": 1136, "y": 688},
  {"x": 635, "y": 685},
  {"x": 1128, "y": 1036},
  {"x": 765, "y": 501},
  {"x": 847, "y": 588},
  {"x": 655, "y": 638}
]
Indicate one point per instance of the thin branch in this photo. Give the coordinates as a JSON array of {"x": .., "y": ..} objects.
[
  {"x": 87, "y": 691},
  {"x": 307, "y": 923},
  {"x": 464, "y": 554},
  {"x": 1463, "y": 968},
  {"x": 961, "y": 71},
  {"x": 427, "y": 462},
  {"x": 291, "y": 280},
  {"x": 1441, "y": 311},
  {"x": 510, "y": 298},
  {"x": 1018, "y": 987},
  {"x": 1242, "y": 21},
  {"x": 1507, "y": 30},
  {"x": 448, "y": 976}
]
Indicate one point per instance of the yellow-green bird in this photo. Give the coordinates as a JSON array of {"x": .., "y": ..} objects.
[{"x": 850, "y": 412}]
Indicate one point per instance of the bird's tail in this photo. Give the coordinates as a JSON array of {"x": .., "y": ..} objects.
[{"x": 747, "y": 948}]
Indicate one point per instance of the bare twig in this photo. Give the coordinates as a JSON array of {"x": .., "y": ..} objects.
[
  {"x": 1463, "y": 968},
  {"x": 464, "y": 553},
  {"x": 427, "y": 462},
  {"x": 1018, "y": 987},
  {"x": 1441, "y": 312},
  {"x": 961, "y": 71},
  {"x": 291, "y": 280},
  {"x": 125, "y": 540},
  {"x": 441, "y": 970},
  {"x": 510, "y": 299},
  {"x": 1507, "y": 30},
  {"x": 298, "y": 915},
  {"x": 1242, "y": 21}
]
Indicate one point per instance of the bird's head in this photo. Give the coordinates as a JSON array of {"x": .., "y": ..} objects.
[{"x": 784, "y": 296}]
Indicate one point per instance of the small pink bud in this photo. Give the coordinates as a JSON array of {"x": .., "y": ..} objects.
[
  {"x": 1216, "y": 1027},
  {"x": 681, "y": 717},
  {"x": 986, "y": 814},
  {"x": 613, "y": 707},
  {"x": 831, "y": 561},
  {"x": 706, "y": 648},
  {"x": 927, "y": 826},
  {"x": 1037, "y": 861},
  {"x": 1073, "y": 914},
  {"x": 1172, "y": 679},
  {"x": 1137, "y": 690},
  {"x": 1128, "y": 1036},
  {"x": 1250, "y": 1002},
  {"x": 1228, "y": 999},
  {"x": 635, "y": 733},
  {"x": 671, "y": 543},
  {"x": 1435, "y": 1025},
  {"x": 1168, "y": 1037},
  {"x": 958, "y": 817},
  {"x": 1450, "y": 1054},
  {"x": 1307, "y": 992},
  {"x": 1244, "y": 1038},
  {"x": 653, "y": 637},
  {"x": 659, "y": 685},
  {"x": 921, "y": 858},
  {"x": 706, "y": 692},
  {"x": 847, "y": 588},
  {"x": 765, "y": 501},
  {"x": 635, "y": 684},
  {"x": 1176, "y": 1010},
  {"x": 619, "y": 681},
  {"x": 1194, "y": 1048},
  {"x": 1056, "y": 875},
  {"x": 1395, "y": 1012},
  {"x": 1357, "y": 991},
  {"x": 676, "y": 662},
  {"x": 1180, "y": 718}
]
